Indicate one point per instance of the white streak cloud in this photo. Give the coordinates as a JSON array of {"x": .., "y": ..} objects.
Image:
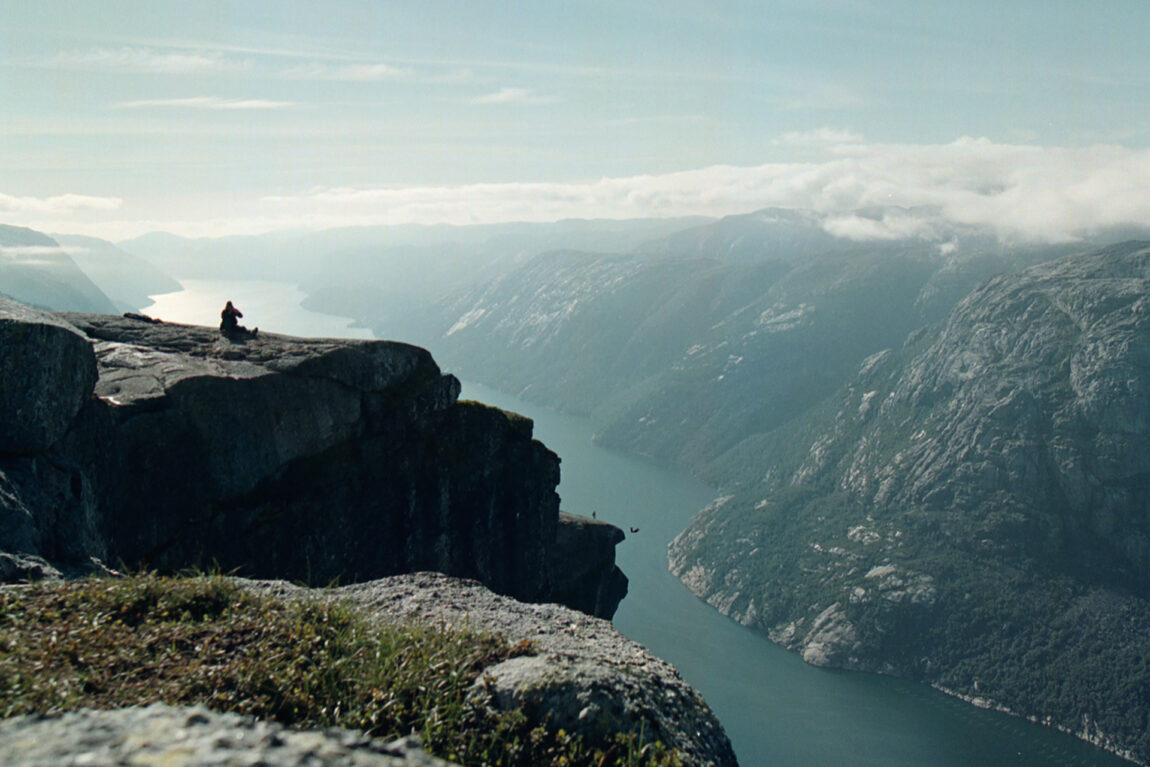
[
  {"x": 349, "y": 72},
  {"x": 142, "y": 60},
  {"x": 59, "y": 204},
  {"x": 205, "y": 102},
  {"x": 513, "y": 96}
]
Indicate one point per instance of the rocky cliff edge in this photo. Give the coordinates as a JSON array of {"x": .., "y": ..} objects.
[{"x": 167, "y": 446}]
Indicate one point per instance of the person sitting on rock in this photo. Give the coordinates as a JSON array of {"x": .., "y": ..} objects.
[{"x": 230, "y": 326}]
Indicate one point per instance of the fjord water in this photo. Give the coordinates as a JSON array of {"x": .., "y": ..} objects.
[{"x": 778, "y": 711}]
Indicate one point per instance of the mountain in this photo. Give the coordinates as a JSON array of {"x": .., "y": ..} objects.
[
  {"x": 686, "y": 346},
  {"x": 36, "y": 270},
  {"x": 969, "y": 509},
  {"x": 126, "y": 279}
]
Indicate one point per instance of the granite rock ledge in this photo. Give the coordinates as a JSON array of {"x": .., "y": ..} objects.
[{"x": 320, "y": 460}]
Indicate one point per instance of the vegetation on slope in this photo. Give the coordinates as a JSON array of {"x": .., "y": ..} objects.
[{"x": 106, "y": 643}]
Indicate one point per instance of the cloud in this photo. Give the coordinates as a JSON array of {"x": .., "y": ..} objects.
[
  {"x": 856, "y": 189},
  {"x": 1018, "y": 192},
  {"x": 36, "y": 255},
  {"x": 822, "y": 138},
  {"x": 206, "y": 102},
  {"x": 513, "y": 96},
  {"x": 142, "y": 60},
  {"x": 63, "y": 203},
  {"x": 349, "y": 72}
]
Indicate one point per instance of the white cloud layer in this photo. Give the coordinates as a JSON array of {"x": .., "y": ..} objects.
[
  {"x": 1018, "y": 192},
  {"x": 860, "y": 190}
]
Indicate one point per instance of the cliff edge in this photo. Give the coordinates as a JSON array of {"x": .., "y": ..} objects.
[{"x": 320, "y": 460}]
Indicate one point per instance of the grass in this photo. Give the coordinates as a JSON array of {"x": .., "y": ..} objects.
[{"x": 107, "y": 643}]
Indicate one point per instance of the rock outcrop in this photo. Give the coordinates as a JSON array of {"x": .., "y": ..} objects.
[
  {"x": 583, "y": 676},
  {"x": 190, "y": 737},
  {"x": 971, "y": 509},
  {"x": 168, "y": 446}
]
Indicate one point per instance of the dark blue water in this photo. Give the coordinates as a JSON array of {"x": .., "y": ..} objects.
[{"x": 777, "y": 710}]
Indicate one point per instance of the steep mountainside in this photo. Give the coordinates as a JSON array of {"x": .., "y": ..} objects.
[
  {"x": 681, "y": 350},
  {"x": 34, "y": 269},
  {"x": 970, "y": 509},
  {"x": 124, "y": 278}
]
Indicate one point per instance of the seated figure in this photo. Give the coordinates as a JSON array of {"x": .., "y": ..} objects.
[{"x": 230, "y": 326}]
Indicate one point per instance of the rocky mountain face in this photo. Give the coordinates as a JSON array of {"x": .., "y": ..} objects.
[
  {"x": 680, "y": 350},
  {"x": 127, "y": 280},
  {"x": 35, "y": 269},
  {"x": 970, "y": 509},
  {"x": 169, "y": 446}
]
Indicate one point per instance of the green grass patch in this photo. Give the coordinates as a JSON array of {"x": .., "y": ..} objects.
[{"x": 107, "y": 643}]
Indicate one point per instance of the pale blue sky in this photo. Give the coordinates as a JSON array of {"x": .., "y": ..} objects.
[{"x": 223, "y": 117}]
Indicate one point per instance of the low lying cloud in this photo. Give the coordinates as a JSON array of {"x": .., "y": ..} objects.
[
  {"x": 205, "y": 102},
  {"x": 35, "y": 255},
  {"x": 861, "y": 191},
  {"x": 856, "y": 189}
]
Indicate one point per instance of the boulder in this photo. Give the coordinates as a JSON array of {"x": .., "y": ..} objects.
[
  {"x": 585, "y": 574},
  {"x": 47, "y": 371},
  {"x": 581, "y": 675}
]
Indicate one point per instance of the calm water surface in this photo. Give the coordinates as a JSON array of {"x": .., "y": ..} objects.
[{"x": 778, "y": 711}]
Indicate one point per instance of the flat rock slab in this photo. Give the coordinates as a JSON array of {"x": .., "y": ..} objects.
[{"x": 190, "y": 737}]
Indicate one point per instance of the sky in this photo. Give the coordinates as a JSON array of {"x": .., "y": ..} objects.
[{"x": 217, "y": 118}]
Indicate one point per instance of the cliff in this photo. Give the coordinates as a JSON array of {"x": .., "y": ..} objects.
[
  {"x": 167, "y": 446},
  {"x": 970, "y": 509}
]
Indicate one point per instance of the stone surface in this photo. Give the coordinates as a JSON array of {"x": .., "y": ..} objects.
[
  {"x": 585, "y": 574},
  {"x": 190, "y": 737},
  {"x": 47, "y": 371},
  {"x": 585, "y": 676},
  {"x": 319, "y": 460}
]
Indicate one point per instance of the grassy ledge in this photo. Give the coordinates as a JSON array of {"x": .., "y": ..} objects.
[{"x": 107, "y": 643}]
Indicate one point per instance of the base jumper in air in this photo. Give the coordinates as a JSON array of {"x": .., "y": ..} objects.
[{"x": 230, "y": 326}]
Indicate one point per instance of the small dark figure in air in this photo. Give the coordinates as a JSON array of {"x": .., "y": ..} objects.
[
  {"x": 634, "y": 529},
  {"x": 593, "y": 514},
  {"x": 230, "y": 326}
]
